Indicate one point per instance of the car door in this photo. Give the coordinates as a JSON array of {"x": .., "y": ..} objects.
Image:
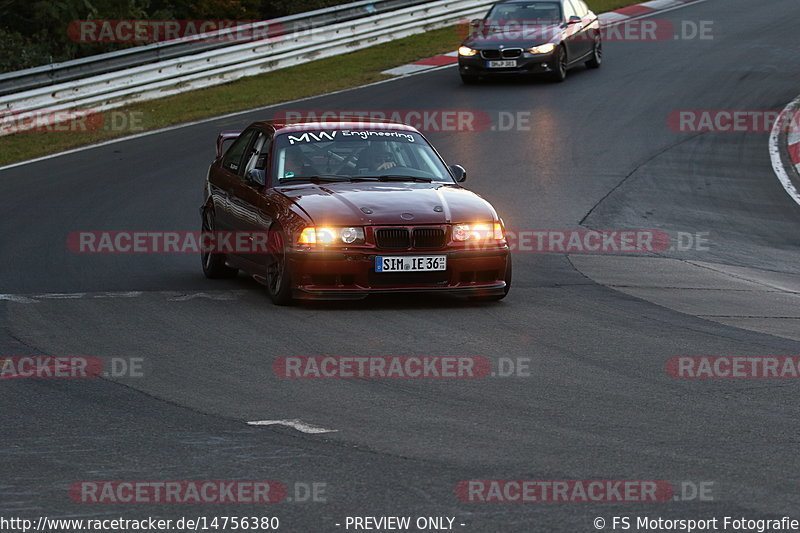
[
  {"x": 224, "y": 179},
  {"x": 591, "y": 24},
  {"x": 250, "y": 207},
  {"x": 582, "y": 36},
  {"x": 573, "y": 33}
]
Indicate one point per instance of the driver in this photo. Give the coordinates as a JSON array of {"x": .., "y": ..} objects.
[
  {"x": 376, "y": 157},
  {"x": 293, "y": 163},
  {"x": 383, "y": 160}
]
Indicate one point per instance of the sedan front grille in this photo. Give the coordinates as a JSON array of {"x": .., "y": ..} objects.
[
  {"x": 511, "y": 53},
  {"x": 506, "y": 53},
  {"x": 392, "y": 238},
  {"x": 428, "y": 238},
  {"x": 403, "y": 238}
]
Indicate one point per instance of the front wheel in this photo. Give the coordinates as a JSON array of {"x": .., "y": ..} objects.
[
  {"x": 597, "y": 55},
  {"x": 214, "y": 266},
  {"x": 278, "y": 278},
  {"x": 469, "y": 79},
  {"x": 560, "y": 68}
]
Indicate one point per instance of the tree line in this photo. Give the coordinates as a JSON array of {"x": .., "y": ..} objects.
[{"x": 36, "y": 32}]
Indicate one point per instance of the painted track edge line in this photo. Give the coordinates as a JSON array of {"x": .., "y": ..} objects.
[{"x": 294, "y": 423}]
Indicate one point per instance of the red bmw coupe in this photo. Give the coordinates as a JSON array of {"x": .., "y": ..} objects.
[{"x": 350, "y": 209}]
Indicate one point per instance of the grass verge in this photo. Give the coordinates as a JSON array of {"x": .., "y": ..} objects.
[{"x": 310, "y": 79}]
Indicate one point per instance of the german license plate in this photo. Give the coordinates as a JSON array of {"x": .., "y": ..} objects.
[
  {"x": 503, "y": 64},
  {"x": 411, "y": 263}
]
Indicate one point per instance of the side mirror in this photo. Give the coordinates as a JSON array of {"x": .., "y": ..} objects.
[
  {"x": 476, "y": 23},
  {"x": 256, "y": 177},
  {"x": 458, "y": 172},
  {"x": 574, "y": 19}
]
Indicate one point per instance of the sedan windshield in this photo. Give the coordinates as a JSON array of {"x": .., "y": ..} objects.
[
  {"x": 329, "y": 155},
  {"x": 542, "y": 12}
]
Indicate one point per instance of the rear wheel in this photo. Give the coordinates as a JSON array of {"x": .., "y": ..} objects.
[
  {"x": 214, "y": 266},
  {"x": 560, "y": 68},
  {"x": 597, "y": 55},
  {"x": 278, "y": 278}
]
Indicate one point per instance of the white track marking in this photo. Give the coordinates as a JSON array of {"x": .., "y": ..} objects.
[
  {"x": 129, "y": 294},
  {"x": 661, "y": 4},
  {"x": 610, "y": 17},
  {"x": 170, "y": 296},
  {"x": 775, "y": 153},
  {"x": 18, "y": 299},
  {"x": 194, "y": 295},
  {"x": 294, "y": 424},
  {"x": 257, "y": 109},
  {"x": 794, "y": 133},
  {"x": 405, "y": 70}
]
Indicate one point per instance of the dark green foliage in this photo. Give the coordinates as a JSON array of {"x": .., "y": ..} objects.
[{"x": 34, "y": 32}]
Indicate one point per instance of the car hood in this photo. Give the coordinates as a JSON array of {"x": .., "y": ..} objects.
[
  {"x": 388, "y": 203},
  {"x": 524, "y": 36}
]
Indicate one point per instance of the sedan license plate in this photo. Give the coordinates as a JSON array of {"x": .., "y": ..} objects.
[
  {"x": 512, "y": 63},
  {"x": 407, "y": 263}
]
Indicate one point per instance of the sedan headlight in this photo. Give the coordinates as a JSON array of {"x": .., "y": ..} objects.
[
  {"x": 466, "y": 51},
  {"x": 331, "y": 235},
  {"x": 542, "y": 49},
  {"x": 478, "y": 232}
]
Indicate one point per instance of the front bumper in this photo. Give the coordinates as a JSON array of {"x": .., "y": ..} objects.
[
  {"x": 351, "y": 274},
  {"x": 478, "y": 66}
]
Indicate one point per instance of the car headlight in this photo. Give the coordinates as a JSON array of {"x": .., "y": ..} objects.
[
  {"x": 478, "y": 232},
  {"x": 542, "y": 49},
  {"x": 331, "y": 235},
  {"x": 466, "y": 51}
]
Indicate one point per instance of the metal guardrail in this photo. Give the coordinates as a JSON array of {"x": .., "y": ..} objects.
[
  {"x": 32, "y": 78},
  {"x": 164, "y": 78}
]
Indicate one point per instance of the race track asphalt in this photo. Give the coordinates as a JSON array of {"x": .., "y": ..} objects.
[{"x": 597, "y": 329}]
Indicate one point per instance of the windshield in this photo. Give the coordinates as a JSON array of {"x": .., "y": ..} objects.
[
  {"x": 541, "y": 12},
  {"x": 363, "y": 154}
]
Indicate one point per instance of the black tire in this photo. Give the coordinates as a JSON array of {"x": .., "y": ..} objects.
[
  {"x": 469, "y": 79},
  {"x": 559, "y": 73},
  {"x": 597, "y": 55},
  {"x": 497, "y": 297},
  {"x": 278, "y": 278},
  {"x": 214, "y": 265}
]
